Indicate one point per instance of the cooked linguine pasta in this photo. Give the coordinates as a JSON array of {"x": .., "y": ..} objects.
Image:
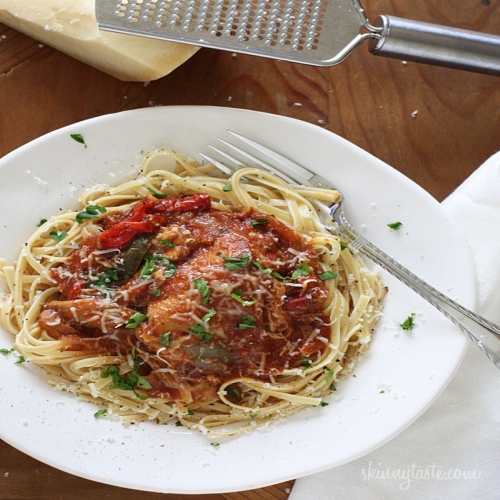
[{"x": 219, "y": 304}]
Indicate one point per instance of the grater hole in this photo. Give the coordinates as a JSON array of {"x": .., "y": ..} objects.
[{"x": 296, "y": 24}]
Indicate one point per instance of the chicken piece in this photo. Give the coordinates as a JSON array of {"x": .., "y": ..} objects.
[
  {"x": 165, "y": 315},
  {"x": 87, "y": 317},
  {"x": 175, "y": 242}
]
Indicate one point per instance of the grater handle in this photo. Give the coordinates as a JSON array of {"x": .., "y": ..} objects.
[{"x": 440, "y": 45}]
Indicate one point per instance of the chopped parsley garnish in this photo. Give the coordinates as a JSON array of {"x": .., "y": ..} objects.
[
  {"x": 215, "y": 445},
  {"x": 171, "y": 269},
  {"x": 306, "y": 362},
  {"x": 200, "y": 332},
  {"x": 382, "y": 392},
  {"x": 199, "y": 328},
  {"x": 302, "y": 270},
  {"x": 234, "y": 392},
  {"x": 165, "y": 339},
  {"x": 135, "y": 320},
  {"x": 343, "y": 245},
  {"x": 323, "y": 403},
  {"x": 247, "y": 322},
  {"x": 408, "y": 323},
  {"x": 237, "y": 295},
  {"x": 237, "y": 263},
  {"x": 156, "y": 293},
  {"x": 266, "y": 270},
  {"x": 157, "y": 194},
  {"x": 109, "y": 276},
  {"x": 151, "y": 264},
  {"x": 395, "y": 225},
  {"x": 6, "y": 352},
  {"x": 227, "y": 187},
  {"x": 330, "y": 374},
  {"x": 41, "y": 223},
  {"x": 58, "y": 236},
  {"x": 149, "y": 267},
  {"x": 328, "y": 275},
  {"x": 129, "y": 381},
  {"x": 332, "y": 387},
  {"x": 167, "y": 243},
  {"x": 78, "y": 138},
  {"x": 210, "y": 314},
  {"x": 100, "y": 413},
  {"x": 279, "y": 276},
  {"x": 202, "y": 286},
  {"x": 260, "y": 221},
  {"x": 90, "y": 212}
]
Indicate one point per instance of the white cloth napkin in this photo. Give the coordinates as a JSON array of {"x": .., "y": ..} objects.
[{"x": 453, "y": 450}]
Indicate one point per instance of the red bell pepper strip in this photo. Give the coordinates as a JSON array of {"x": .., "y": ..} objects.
[
  {"x": 147, "y": 215},
  {"x": 118, "y": 236}
]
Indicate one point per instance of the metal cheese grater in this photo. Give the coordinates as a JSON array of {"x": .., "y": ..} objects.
[{"x": 315, "y": 32}]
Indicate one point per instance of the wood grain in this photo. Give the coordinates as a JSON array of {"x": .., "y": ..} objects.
[
  {"x": 24, "y": 478},
  {"x": 435, "y": 125}
]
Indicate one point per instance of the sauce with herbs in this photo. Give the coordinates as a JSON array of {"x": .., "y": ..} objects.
[{"x": 198, "y": 295}]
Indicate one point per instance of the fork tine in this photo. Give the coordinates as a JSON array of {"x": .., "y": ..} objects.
[
  {"x": 229, "y": 170},
  {"x": 257, "y": 161},
  {"x": 286, "y": 169},
  {"x": 238, "y": 164},
  {"x": 299, "y": 173},
  {"x": 217, "y": 164}
]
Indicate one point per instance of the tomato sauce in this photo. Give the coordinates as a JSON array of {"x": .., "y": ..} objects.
[{"x": 221, "y": 294}]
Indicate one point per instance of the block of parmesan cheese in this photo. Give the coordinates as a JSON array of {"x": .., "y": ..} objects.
[{"x": 70, "y": 26}]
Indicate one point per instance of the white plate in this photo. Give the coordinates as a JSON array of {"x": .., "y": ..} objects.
[{"x": 412, "y": 368}]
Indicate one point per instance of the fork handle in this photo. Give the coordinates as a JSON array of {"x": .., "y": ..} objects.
[
  {"x": 439, "y": 45},
  {"x": 481, "y": 331}
]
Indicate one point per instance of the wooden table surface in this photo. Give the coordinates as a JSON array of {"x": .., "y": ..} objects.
[{"x": 435, "y": 125}]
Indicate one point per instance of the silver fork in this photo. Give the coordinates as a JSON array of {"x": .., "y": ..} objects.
[{"x": 481, "y": 331}]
